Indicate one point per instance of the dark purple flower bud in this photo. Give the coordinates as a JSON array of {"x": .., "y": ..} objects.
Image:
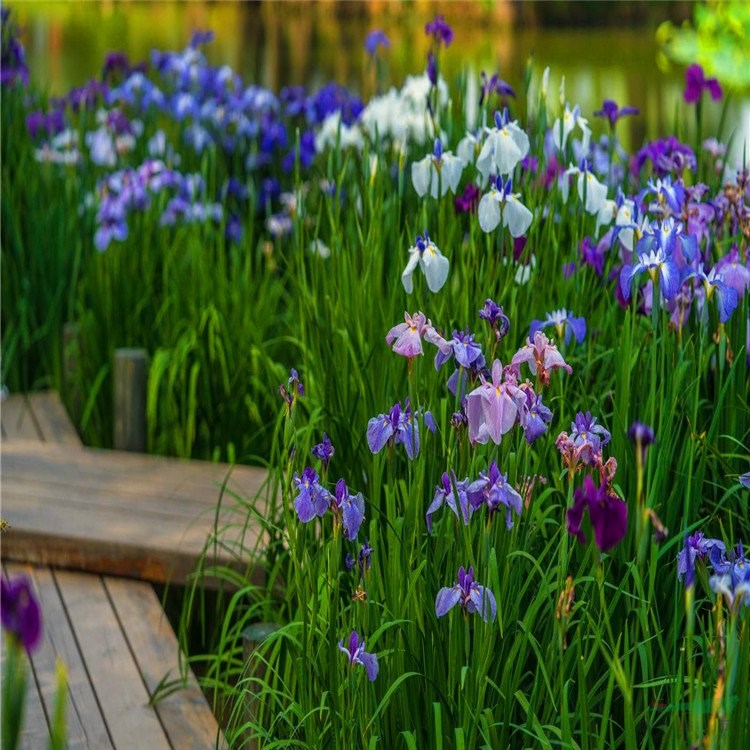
[
  {"x": 20, "y": 612},
  {"x": 376, "y": 38},
  {"x": 498, "y": 320},
  {"x": 324, "y": 451},
  {"x": 642, "y": 435},
  {"x": 432, "y": 68},
  {"x": 468, "y": 201},
  {"x": 439, "y": 30}
]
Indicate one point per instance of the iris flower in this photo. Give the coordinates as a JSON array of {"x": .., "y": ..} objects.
[
  {"x": 504, "y": 147},
  {"x": 592, "y": 192},
  {"x": 542, "y": 356},
  {"x": 20, "y": 612},
  {"x": 659, "y": 265},
  {"x": 324, "y": 451},
  {"x": 406, "y": 338},
  {"x": 608, "y": 514},
  {"x": 697, "y": 547},
  {"x": 426, "y": 254},
  {"x": 348, "y": 510},
  {"x": 398, "y": 426},
  {"x": 437, "y": 173},
  {"x": 312, "y": 498},
  {"x": 612, "y": 112},
  {"x": 493, "y": 490},
  {"x": 493, "y": 408},
  {"x": 696, "y": 83},
  {"x": 565, "y": 324},
  {"x": 457, "y": 501},
  {"x": 468, "y": 594},
  {"x": 561, "y": 129},
  {"x": 502, "y": 204},
  {"x": 713, "y": 282},
  {"x": 357, "y": 655}
]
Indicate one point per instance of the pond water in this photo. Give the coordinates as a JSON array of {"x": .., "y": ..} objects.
[{"x": 278, "y": 44}]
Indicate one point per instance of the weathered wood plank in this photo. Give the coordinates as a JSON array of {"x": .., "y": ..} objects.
[
  {"x": 18, "y": 419},
  {"x": 112, "y": 670},
  {"x": 130, "y": 375},
  {"x": 185, "y": 715},
  {"x": 84, "y": 722},
  {"x": 110, "y": 512},
  {"x": 52, "y": 419},
  {"x": 34, "y": 729}
]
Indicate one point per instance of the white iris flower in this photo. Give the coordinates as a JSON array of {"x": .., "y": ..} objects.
[{"x": 425, "y": 253}]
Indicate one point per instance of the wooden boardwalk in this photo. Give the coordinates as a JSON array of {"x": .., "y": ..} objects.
[{"x": 110, "y": 513}]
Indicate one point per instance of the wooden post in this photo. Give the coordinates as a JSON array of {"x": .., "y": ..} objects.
[
  {"x": 131, "y": 373},
  {"x": 252, "y": 637},
  {"x": 71, "y": 376}
]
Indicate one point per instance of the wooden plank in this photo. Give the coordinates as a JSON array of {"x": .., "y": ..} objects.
[
  {"x": 112, "y": 670},
  {"x": 117, "y": 513},
  {"x": 34, "y": 729},
  {"x": 84, "y": 722},
  {"x": 52, "y": 419},
  {"x": 185, "y": 715},
  {"x": 116, "y": 471},
  {"x": 18, "y": 419}
]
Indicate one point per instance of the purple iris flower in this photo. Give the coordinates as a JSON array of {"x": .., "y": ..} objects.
[
  {"x": 713, "y": 282},
  {"x": 542, "y": 356},
  {"x": 357, "y": 655},
  {"x": 696, "y": 83},
  {"x": 20, "y": 612},
  {"x": 494, "y": 315},
  {"x": 432, "y": 73},
  {"x": 398, "y": 426},
  {"x": 464, "y": 349},
  {"x": 348, "y": 509},
  {"x": 376, "y": 38},
  {"x": 736, "y": 273},
  {"x": 612, "y": 112},
  {"x": 468, "y": 201},
  {"x": 608, "y": 514},
  {"x": 406, "y": 338},
  {"x": 564, "y": 323},
  {"x": 535, "y": 416},
  {"x": 744, "y": 480},
  {"x": 363, "y": 559},
  {"x": 324, "y": 451},
  {"x": 468, "y": 594},
  {"x": 593, "y": 253},
  {"x": 312, "y": 498},
  {"x": 588, "y": 437},
  {"x": 439, "y": 30},
  {"x": 697, "y": 547},
  {"x": 457, "y": 501},
  {"x": 493, "y": 490},
  {"x": 733, "y": 579},
  {"x": 494, "y": 85},
  {"x": 667, "y": 156}
]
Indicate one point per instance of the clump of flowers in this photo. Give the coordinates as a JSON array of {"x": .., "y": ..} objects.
[
  {"x": 398, "y": 426},
  {"x": 313, "y": 499}
]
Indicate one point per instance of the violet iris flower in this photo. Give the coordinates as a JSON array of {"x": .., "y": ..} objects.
[
  {"x": 565, "y": 325},
  {"x": 667, "y": 192},
  {"x": 312, "y": 498},
  {"x": 735, "y": 273},
  {"x": 612, "y": 112},
  {"x": 493, "y": 490},
  {"x": 468, "y": 594},
  {"x": 696, "y": 83},
  {"x": 20, "y": 612},
  {"x": 439, "y": 30},
  {"x": 732, "y": 579},
  {"x": 608, "y": 514},
  {"x": 726, "y": 296},
  {"x": 357, "y": 655},
  {"x": 406, "y": 338},
  {"x": 535, "y": 416},
  {"x": 697, "y": 547},
  {"x": 498, "y": 320},
  {"x": 363, "y": 560},
  {"x": 376, "y": 38},
  {"x": 457, "y": 501},
  {"x": 324, "y": 451},
  {"x": 348, "y": 509},
  {"x": 667, "y": 155},
  {"x": 493, "y": 408},
  {"x": 588, "y": 437},
  {"x": 464, "y": 348},
  {"x": 494, "y": 85},
  {"x": 398, "y": 426}
]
